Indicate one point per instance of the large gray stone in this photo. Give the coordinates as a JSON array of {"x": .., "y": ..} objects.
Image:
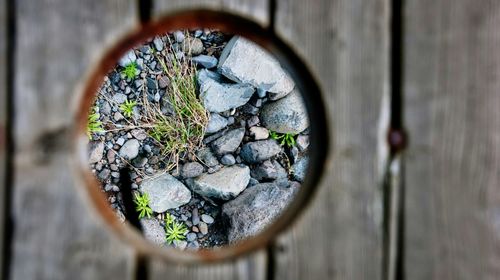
[
  {"x": 228, "y": 142},
  {"x": 287, "y": 115},
  {"x": 245, "y": 62},
  {"x": 258, "y": 151},
  {"x": 216, "y": 123},
  {"x": 153, "y": 231},
  {"x": 269, "y": 170},
  {"x": 218, "y": 96},
  {"x": 256, "y": 208},
  {"x": 207, "y": 157},
  {"x": 130, "y": 149},
  {"x": 225, "y": 184},
  {"x": 165, "y": 192}
]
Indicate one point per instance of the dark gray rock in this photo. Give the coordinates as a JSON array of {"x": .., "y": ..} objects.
[
  {"x": 245, "y": 62},
  {"x": 224, "y": 184},
  {"x": 206, "y": 61},
  {"x": 195, "y": 217},
  {"x": 206, "y": 156},
  {"x": 255, "y": 208},
  {"x": 228, "y": 160},
  {"x": 302, "y": 142},
  {"x": 299, "y": 169},
  {"x": 258, "y": 151},
  {"x": 165, "y": 192},
  {"x": 215, "y": 123},
  {"x": 96, "y": 151},
  {"x": 130, "y": 149},
  {"x": 228, "y": 142},
  {"x": 287, "y": 115},
  {"x": 269, "y": 170},
  {"x": 153, "y": 231},
  {"x": 218, "y": 96},
  {"x": 191, "y": 169}
]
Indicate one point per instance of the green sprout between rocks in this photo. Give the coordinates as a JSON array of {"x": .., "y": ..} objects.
[
  {"x": 175, "y": 231},
  {"x": 130, "y": 71},
  {"x": 127, "y": 108},
  {"x": 94, "y": 125},
  {"x": 142, "y": 205},
  {"x": 287, "y": 139}
]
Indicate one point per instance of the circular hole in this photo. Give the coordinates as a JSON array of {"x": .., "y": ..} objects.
[{"x": 136, "y": 102}]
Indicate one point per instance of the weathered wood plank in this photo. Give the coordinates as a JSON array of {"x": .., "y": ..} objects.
[
  {"x": 452, "y": 100},
  {"x": 3, "y": 118},
  {"x": 346, "y": 45},
  {"x": 253, "y": 266},
  {"x": 57, "y": 234},
  {"x": 256, "y": 10}
]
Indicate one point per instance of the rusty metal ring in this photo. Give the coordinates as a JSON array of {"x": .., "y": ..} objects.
[{"x": 306, "y": 83}]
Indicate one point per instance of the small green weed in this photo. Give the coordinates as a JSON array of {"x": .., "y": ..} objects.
[
  {"x": 174, "y": 230},
  {"x": 142, "y": 205},
  {"x": 127, "y": 108},
  {"x": 287, "y": 139},
  {"x": 130, "y": 71},
  {"x": 94, "y": 125}
]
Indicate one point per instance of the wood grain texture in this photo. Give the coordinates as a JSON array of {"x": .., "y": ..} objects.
[
  {"x": 252, "y": 267},
  {"x": 452, "y": 101},
  {"x": 345, "y": 43},
  {"x": 3, "y": 117},
  {"x": 257, "y": 10},
  {"x": 57, "y": 234}
]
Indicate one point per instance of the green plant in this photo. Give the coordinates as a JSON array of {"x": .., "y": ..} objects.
[
  {"x": 94, "y": 125},
  {"x": 127, "y": 108},
  {"x": 130, "y": 71},
  {"x": 182, "y": 131},
  {"x": 142, "y": 205},
  {"x": 287, "y": 139},
  {"x": 174, "y": 230}
]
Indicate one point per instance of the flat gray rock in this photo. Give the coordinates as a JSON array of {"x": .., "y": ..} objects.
[
  {"x": 130, "y": 149},
  {"x": 191, "y": 169},
  {"x": 128, "y": 58},
  {"x": 207, "y": 157},
  {"x": 153, "y": 231},
  {"x": 258, "y": 151},
  {"x": 269, "y": 170},
  {"x": 245, "y": 62},
  {"x": 216, "y": 123},
  {"x": 256, "y": 208},
  {"x": 224, "y": 184},
  {"x": 287, "y": 115},
  {"x": 206, "y": 61},
  {"x": 165, "y": 192},
  {"x": 228, "y": 142},
  {"x": 96, "y": 150},
  {"x": 218, "y": 96},
  {"x": 299, "y": 168}
]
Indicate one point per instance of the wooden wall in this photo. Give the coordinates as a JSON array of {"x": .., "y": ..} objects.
[{"x": 450, "y": 90}]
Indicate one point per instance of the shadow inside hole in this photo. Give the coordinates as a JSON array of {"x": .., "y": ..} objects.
[{"x": 305, "y": 83}]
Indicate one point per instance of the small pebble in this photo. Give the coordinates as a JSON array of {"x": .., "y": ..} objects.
[{"x": 207, "y": 218}]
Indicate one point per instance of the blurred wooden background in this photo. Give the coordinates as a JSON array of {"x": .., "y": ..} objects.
[{"x": 449, "y": 84}]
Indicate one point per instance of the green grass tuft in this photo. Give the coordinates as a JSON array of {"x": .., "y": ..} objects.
[
  {"x": 127, "y": 108},
  {"x": 142, "y": 205},
  {"x": 287, "y": 139},
  {"x": 94, "y": 125},
  {"x": 130, "y": 71},
  {"x": 174, "y": 230}
]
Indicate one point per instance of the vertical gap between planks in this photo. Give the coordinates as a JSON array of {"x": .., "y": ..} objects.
[
  {"x": 9, "y": 143},
  {"x": 393, "y": 186}
]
